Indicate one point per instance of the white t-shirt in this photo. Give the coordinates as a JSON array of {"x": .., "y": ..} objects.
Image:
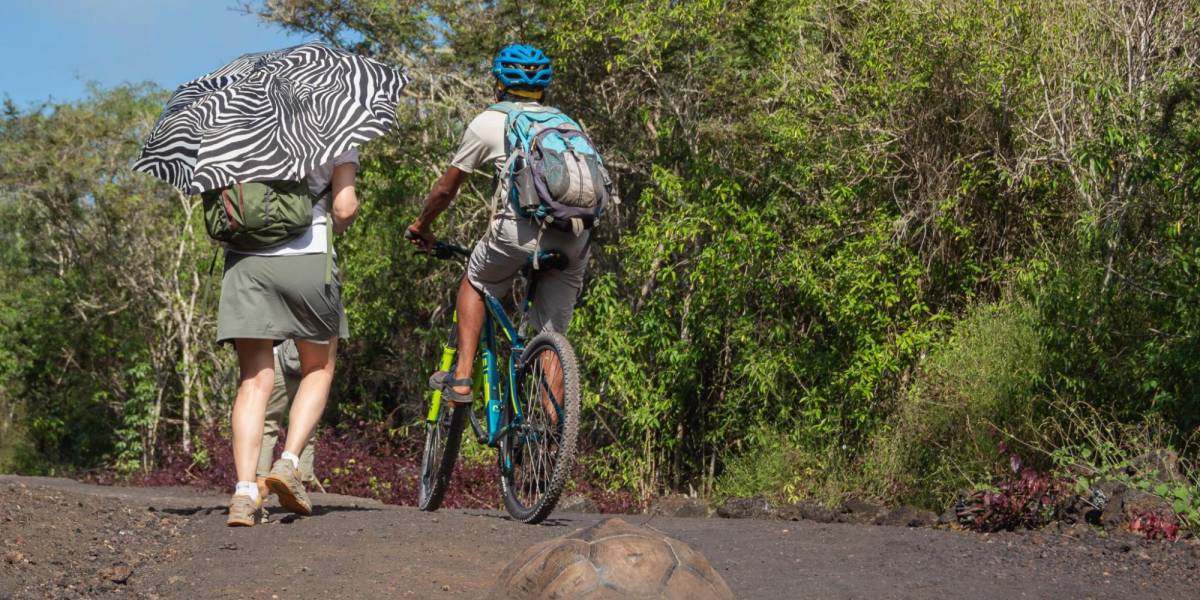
[
  {"x": 315, "y": 240},
  {"x": 483, "y": 142}
]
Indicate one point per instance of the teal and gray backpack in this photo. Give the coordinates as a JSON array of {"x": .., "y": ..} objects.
[{"x": 553, "y": 174}]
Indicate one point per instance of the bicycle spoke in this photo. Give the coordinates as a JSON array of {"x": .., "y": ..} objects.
[
  {"x": 541, "y": 440},
  {"x": 553, "y": 398}
]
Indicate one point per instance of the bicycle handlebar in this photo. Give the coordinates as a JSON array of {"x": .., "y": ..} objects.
[{"x": 441, "y": 250}]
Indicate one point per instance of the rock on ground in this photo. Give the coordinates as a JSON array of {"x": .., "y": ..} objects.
[
  {"x": 907, "y": 516},
  {"x": 859, "y": 512},
  {"x": 807, "y": 511},
  {"x": 756, "y": 507},
  {"x": 1124, "y": 503},
  {"x": 677, "y": 505},
  {"x": 577, "y": 503}
]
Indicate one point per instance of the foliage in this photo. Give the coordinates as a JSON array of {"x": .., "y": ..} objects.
[
  {"x": 979, "y": 385},
  {"x": 817, "y": 191},
  {"x": 1023, "y": 499},
  {"x": 774, "y": 466},
  {"x": 1091, "y": 447},
  {"x": 103, "y": 269},
  {"x": 1155, "y": 526},
  {"x": 366, "y": 460}
]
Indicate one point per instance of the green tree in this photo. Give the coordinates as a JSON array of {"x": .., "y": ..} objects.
[{"x": 106, "y": 329}]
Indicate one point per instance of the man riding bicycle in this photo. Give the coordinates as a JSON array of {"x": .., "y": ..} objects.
[{"x": 522, "y": 74}]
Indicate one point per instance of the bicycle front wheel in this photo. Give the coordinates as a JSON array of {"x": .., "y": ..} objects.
[
  {"x": 442, "y": 439},
  {"x": 538, "y": 445}
]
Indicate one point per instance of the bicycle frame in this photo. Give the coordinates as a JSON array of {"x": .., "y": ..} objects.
[{"x": 495, "y": 321}]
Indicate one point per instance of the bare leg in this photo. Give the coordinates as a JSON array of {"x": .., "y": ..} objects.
[
  {"x": 316, "y": 371},
  {"x": 257, "y": 366},
  {"x": 553, "y": 373},
  {"x": 277, "y": 406},
  {"x": 470, "y": 322}
]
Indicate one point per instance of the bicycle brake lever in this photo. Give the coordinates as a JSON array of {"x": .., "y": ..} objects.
[{"x": 441, "y": 251}]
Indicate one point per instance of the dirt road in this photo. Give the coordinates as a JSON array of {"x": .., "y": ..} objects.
[{"x": 62, "y": 539}]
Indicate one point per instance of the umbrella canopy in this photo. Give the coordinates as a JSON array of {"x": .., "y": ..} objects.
[{"x": 271, "y": 116}]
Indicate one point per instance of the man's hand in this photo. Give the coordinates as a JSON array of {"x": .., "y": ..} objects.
[
  {"x": 444, "y": 191},
  {"x": 419, "y": 234}
]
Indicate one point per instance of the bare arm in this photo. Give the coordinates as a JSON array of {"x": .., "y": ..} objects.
[
  {"x": 345, "y": 200},
  {"x": 443, "y": 193}
]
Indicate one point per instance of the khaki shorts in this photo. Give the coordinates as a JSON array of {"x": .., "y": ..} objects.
[{"x": 500, "y": 255}]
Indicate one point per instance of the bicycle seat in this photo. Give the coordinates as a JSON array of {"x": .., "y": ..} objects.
[{"x": 548, "y": 260}]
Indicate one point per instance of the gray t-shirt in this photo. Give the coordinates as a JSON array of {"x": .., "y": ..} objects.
[
  {"x": 483, "y": 142},
  {"x": 321, "y": 176}
]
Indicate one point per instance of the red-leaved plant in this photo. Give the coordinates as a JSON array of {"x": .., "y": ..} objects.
[
  {"x": 1023, "y": 498},
  {"x": 368, "y": 460},
  {"x": 1155, "y": 526}
]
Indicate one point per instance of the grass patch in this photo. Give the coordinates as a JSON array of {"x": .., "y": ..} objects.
[
  {"x": 976, "y": 389},
  {"x": 1089, "y": 446},
  {"x": 772, "y": 466}
]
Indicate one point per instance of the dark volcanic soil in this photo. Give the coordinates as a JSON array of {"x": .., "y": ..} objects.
[
  {"x": 59, "y": 544},
  {"x": 62, "y": 539}
]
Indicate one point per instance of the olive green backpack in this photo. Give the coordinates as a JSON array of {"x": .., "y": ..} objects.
[{"x": 258, "y": 215}]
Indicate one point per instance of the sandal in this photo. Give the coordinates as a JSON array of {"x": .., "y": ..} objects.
[{"x": 443, "y": 382}]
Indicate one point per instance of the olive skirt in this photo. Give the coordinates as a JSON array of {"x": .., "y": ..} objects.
[{"x": 279, "y": 297}]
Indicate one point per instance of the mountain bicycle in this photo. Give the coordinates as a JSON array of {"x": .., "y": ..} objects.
[{"x": 530, "y": 395}]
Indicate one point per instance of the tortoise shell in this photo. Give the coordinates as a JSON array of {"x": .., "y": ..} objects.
[{"x": 611, "y": 560}]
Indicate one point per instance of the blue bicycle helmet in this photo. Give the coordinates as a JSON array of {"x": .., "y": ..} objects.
[{"x": 521, "y": 66}]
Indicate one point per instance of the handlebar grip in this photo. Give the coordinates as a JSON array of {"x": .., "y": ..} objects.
[{"x": 439, "y": 249}]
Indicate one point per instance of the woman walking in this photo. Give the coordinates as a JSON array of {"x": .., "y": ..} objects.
[
  {"x": 276, "y": 117},
  {"x": 280, "y": 293}
]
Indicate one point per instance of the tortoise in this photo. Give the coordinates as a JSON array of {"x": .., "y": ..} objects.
[{"x": 611, "y": 560}]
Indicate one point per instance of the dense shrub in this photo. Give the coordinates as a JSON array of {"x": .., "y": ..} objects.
[{"x": 771, "y": 465}]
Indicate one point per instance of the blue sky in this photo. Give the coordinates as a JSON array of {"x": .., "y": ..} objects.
[{"x": 50, "y": 49}]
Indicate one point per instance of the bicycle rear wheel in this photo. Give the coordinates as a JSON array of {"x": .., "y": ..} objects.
[
  {"x": 442, "y": 440},
  {"x": 538, "y": 447}
]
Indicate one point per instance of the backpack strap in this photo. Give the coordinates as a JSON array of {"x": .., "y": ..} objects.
[
  {"x": 504, "y": 172},
  {"x": 328, "y": 192},
  {"x": 507, "y": 108}
]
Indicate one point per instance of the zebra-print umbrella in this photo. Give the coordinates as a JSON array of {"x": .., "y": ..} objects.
[{"x": 270, "y": 116}]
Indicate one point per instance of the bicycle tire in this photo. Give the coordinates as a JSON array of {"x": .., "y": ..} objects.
[
  {"x": 515, "y": 444},
  {"x": 442, "y": 441}
]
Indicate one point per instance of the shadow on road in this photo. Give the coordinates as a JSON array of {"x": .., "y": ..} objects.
[
  {"x": 550, "y": 522},
  {"x": 325, "y": 510},
  {"x": 190, "y": 511},
  {"x": 221, "y": 508}
]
